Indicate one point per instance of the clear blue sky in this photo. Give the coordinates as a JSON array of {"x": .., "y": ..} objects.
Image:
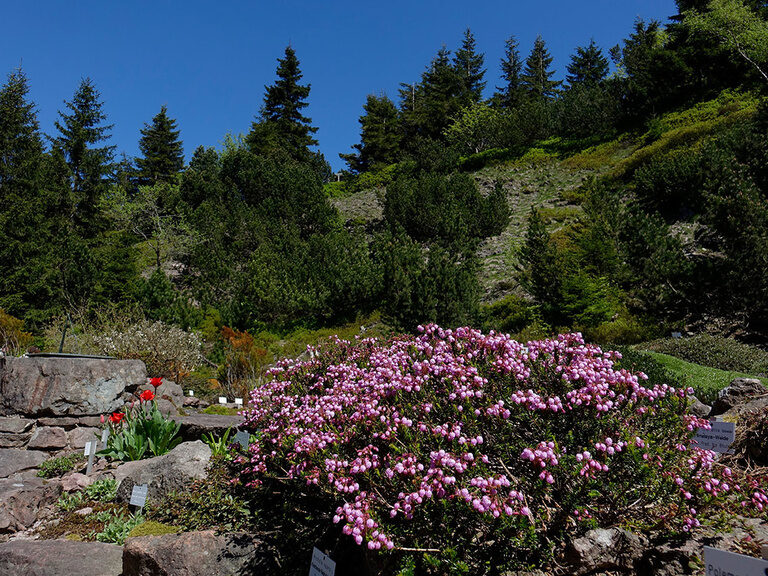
[{"x": 209, "y": 61}]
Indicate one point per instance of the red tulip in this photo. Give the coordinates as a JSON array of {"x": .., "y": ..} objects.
[
  {"x": 156, "y": 381},
  {"x": 147, "y": 395},
  {"x": 116, "y": 417}
]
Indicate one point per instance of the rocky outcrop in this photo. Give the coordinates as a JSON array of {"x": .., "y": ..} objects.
[
  {"x": 196, "y": 554},
  {"x": 67, "y": 386},
  {"x": 60, "y": 558},
  {"x": 22, "y": 501},
  {"x": 195, "y": 425},
  {"x": 739, "y": 392},
  {"x": 164, "y": 474},
  {"x": 15, "y": 432},
  {"x": 13, "y": 460},
  {"x": 605, "y": 550}
]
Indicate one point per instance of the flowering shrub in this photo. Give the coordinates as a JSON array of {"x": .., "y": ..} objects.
[
  {"x": 456, "y": 439},
  {"x": 165, "y": 349},
  {"x": 141, "y": 431}
]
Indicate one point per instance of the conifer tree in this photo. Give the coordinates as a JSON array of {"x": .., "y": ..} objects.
[
  {"x": 469, "y": 68},
  {"x": 510, "y": 93},
  {"x": 536, "y": 77},
  {"x": 163, "y": 151},
  {"x": 379, "y": 135},
  {"x": 281, "y": 121},
  {"x": 588, "y": 66},
  {"x": 81, "y": 130}
]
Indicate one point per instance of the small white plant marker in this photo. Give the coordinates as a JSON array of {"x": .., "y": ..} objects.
[
  {"x": 239, "y": 401},
  {"x": 191, "y": 392},
  {"x": 222, "y": 400},
  {"x": 139, "y": 495},
  {"x": 88, "y": 449}
]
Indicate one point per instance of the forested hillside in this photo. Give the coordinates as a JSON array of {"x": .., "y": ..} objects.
[{"x": 625, "y": 197}]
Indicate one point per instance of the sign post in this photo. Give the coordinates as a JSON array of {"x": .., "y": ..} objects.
[
  {"x": 722, "y": 563},
  {"x": 90, "y": 451},
  {"x": 139, "y": 495},
  {"x": 719, "y": 438},
  {"x": 222, "y": 399},
  {"x": 322, "y": 565}
]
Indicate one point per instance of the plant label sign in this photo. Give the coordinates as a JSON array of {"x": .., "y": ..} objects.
[
  {"x": 722, "y": 563},
  {"x": 222, "y": 400},
  {"x": 191, "y": 392},
  {"x": 322, "y": 565},
  {"x": 104, "y": 436},
  {"x": 139, "y": 495},
  {"x": 239, "y": 401},
  {"x": 88, "y": 449},
  {"x": 719, "y": 438},
  {"x": 243, "y": 438}
]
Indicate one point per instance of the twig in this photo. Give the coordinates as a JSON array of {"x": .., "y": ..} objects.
[{"x": 418, "y": 549}]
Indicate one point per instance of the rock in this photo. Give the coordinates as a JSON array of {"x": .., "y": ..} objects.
[
  {"x": 77, "y": 437},
  {"x": 196, "y": 554},
  {"x": 194, "y": 426},
  {"x": 739, "y": 391},
  {"x": 48, "y": 439},
  {"x": 605, "y": 549},
  {"x": 169, "y": 396},
  {"x": 698, "y": 408},
  {"x": 60, "y": 558},
  {"x": 755, "y": 405},
  {"x": 15, "y": 440},
  {"x": 164, "y": 474},
  {"x": 21, "y": 502},
  {"x": 15, "y": 425},
  {"x": 195, "y": 402},
  {"x": 68, "y": 423},
  {"x": 67, "y": 386},
  {"x": 75, "y": 482},
  {"x": 13, "y": 460},
  {"x": 84, "y": 511}
]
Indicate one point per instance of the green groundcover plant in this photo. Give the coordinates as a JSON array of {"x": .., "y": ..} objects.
[{"x": 482, "y": 450}]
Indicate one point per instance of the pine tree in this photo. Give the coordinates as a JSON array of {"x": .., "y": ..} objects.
[
  {"x": 588, "y": 66},
  {"x": 379, "y": 135},
  {"x": 469, "y": 68},
  {"x": 163, "y": 151},
  {"x": 80, "y": 132},
  {"x": 536, "y": 77},
  {"x": 281, "y": 121},
  {"x": 510, "y": 94}
]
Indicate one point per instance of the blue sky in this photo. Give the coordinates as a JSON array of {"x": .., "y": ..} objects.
[{"x": 209, "y": 61}]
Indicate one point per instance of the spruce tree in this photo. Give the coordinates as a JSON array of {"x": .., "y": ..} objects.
[
  {"x": 469, "y": 68},
  {"x": 379, "y": 135},
  {"x": 163, "y": 151},
  {"x": 81, "y": 130},
  {"x": 510, "y": 93},
  {"x": 281, "y": 121},
  {"x": 536, "y": 77},
  {"x": 588, "y": 66}
]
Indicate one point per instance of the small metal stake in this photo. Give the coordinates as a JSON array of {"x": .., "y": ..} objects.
[{"x": 91, "y": 455}]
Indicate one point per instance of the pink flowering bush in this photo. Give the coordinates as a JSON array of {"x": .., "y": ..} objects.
[{"x": 458, "y": 440}]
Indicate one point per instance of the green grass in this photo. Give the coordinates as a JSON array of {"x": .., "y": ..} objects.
[{"x": 705, "y": 381}]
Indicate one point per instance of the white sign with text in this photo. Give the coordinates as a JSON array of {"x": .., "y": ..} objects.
[
  {"x": 139, "y": 495},
  {"x": 222, "y": 400},
  {"x": 722, "y": 563},
  {"x": 322, "y": 565},
  {"x": 88, "y": 449},
  {"x": 239, "y": 401},
  {"x": 719, "y": 438},
  {"x": 243, "y": 438}
]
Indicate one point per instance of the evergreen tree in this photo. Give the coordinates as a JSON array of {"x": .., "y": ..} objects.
[
  {"x": 22, "y": 234},
  {"x": 510, "y": 94},
  {"x": 536, "y": 77},
  {"x": 281, "y": 121},
  {"x": 588, "y": 65},
  {"x": 80, "y": 132},
  {"x": 163, "y": 151},
  {"x": 469, "y": 68},
  {"x": 379, "y": 135}
]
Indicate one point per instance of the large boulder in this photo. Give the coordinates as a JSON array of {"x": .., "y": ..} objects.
[
  {"x": 738, "y": 392},
  {"x": 164, "y": 474},
  {"x": 605, "y": 550},
  {"x": 22, "y": 501},
  {"x": 13, "y": 460},
  {"x": 196, "y": 554},
  {"x": 67, "y": 386},
  {"x": 60, "y": 558}
]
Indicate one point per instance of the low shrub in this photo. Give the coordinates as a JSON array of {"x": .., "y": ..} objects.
[
  {"x": 480, "y": 450},
  {"x": 117, "y": 526},
  {"x": 59, "y": 465},
  {"x": 104, "y": 490},
  {"x": 13, "y": 339},
  {"x": 70, "y": 501},
  {"x": 714, "y": 351},
  {"x": 221, "y": 410},
  {"x": 152, "y": 528}
]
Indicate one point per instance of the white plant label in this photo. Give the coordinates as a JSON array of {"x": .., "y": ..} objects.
[
  {"x": 243, "y": 438},
  {"x": 222, "y": 400},
  {"x": 104, "y": 436},
  {"x": 191, "y": 392},
  {"x": 239, "y": 401},
  {"x": 719, "y": 438},
  {"x": 139, "y": 495},
  {"x": 722, "y": 563},
  {"x": 322, "y": 565},
  {"x": 88, "y": 448}
]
